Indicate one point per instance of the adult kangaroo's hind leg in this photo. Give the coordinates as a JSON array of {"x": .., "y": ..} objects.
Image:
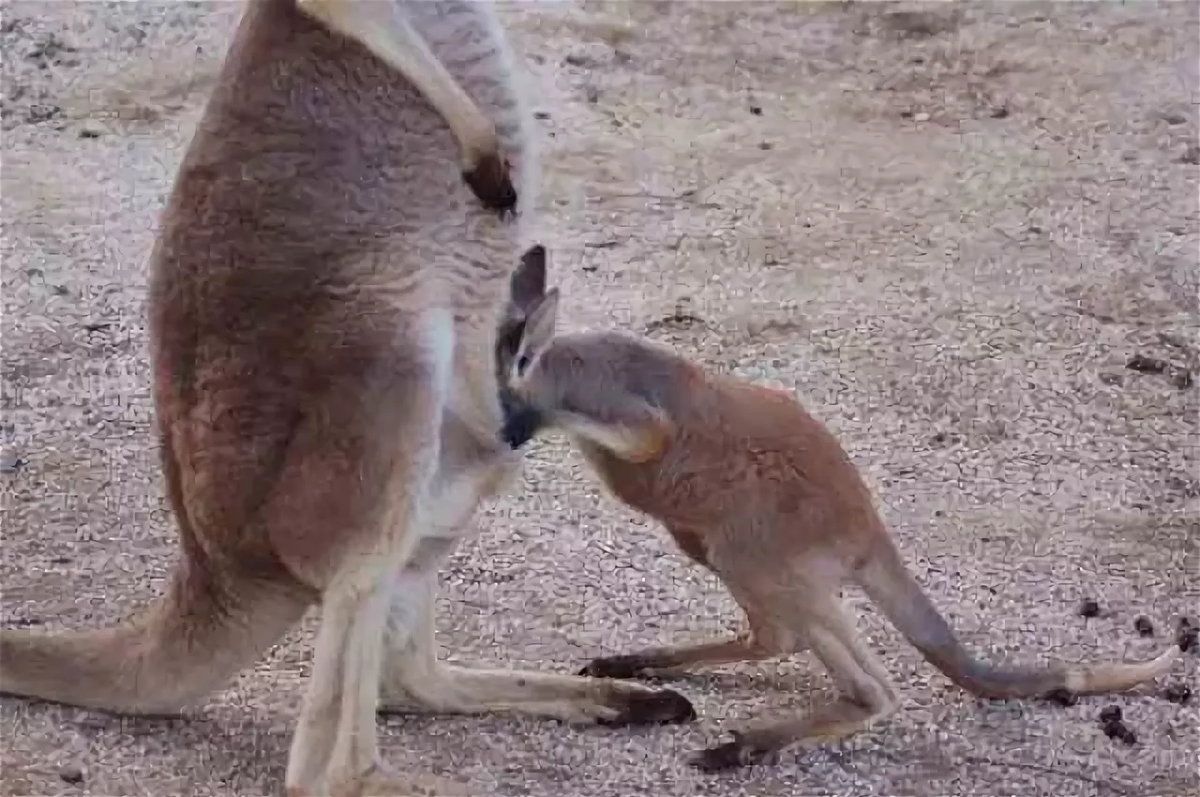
[
  {"x": 380, "y": 26},
  {"x": 866, "y": 693},
  {"x": 344, "y": 516},
  {"x": 416, "y": 680}
]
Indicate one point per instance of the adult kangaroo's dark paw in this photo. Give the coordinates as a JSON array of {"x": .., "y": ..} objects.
[
  {"x": 489, "y": 180},
  {"x": 650, "y": 707},
  {"x": 731, "y": 755}
]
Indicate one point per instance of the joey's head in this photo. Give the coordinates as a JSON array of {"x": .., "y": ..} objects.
[
  {"x": 532, "y": 376},
  {"x": 527, "y": 287},
  {"x": 527, "y": 293}
]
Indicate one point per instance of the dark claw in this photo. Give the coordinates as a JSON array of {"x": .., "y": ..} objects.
[
  {"x": 656, "y": 708},
  {"x": 491, "y": 184},
  {"x": 731, "y": 755},
  {"x": 624, "y": 667}
]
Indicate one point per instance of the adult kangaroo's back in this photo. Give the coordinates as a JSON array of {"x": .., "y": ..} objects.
[{"x": 325, "y": 293}]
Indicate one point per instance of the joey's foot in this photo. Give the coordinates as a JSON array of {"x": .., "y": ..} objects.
[
  {"x": 739, "y": 753},
  {"x": 648, "y": 707},
  {"x": 489, "y": 180},
  {"x": 625, "y": 667}
]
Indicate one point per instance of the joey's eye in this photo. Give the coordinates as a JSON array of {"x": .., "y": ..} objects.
[{"x": 522, "y": 364}]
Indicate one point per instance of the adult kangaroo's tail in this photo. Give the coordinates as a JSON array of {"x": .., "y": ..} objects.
[
  {"x": 195, "y": 637},
  {"x": 893, "y": 588}
]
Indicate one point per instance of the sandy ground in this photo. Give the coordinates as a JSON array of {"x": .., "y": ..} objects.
[{"x": 948, "y": 228}]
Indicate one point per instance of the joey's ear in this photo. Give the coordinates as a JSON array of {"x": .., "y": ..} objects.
[
  {"x": 539, "y": 327},
  {"x": 528, "y": 282}
]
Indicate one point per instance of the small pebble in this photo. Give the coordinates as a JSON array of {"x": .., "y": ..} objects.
[
  {"x": 1145, "y": 364},
  {"x": 1111, "y": 714},
  {"x": 70, "y": 774},
  {"x": 921, "y": 117},
  {"x": 756, "y": 110},
  {"x": 1089, "y": 609},
  {"x": 1178, "y": 693},
  {"x": 1143, "y": 626}
]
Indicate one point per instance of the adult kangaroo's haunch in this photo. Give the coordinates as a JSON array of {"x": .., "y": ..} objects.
[
  {"x": 324, "y": 306},
  {"x": 759, "y": 492}
]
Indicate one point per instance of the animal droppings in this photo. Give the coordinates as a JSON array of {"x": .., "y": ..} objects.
[
  {"x": 1089, "y": 609},
  {"x": 1188, "y": 637},
  {"x": 1180, "y": 694},
  {"x": 1143, "y": 626},
  {"x": 1145, "y": 364},
  {"x": 1119, "y": 730}
]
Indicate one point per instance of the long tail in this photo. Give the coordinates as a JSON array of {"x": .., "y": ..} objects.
[
  {"x": 888, "y": 582},
  {"x": 189, "y": 643}
]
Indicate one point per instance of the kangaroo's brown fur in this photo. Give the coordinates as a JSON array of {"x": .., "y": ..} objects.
[
  {"x": 760, "y": 493},
  {"x": 324, "y": 302}
]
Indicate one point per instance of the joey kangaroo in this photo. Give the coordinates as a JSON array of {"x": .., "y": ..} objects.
[
  {"x": 760, "y": 493},
  {"x": 324, "y": 304}
]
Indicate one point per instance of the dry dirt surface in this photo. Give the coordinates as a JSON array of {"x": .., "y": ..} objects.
[{"x": 950, "y": 228}]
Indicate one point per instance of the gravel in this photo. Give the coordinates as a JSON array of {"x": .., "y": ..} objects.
[{"x": 955, "y": 291}]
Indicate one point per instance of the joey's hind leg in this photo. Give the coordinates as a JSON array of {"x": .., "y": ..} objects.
[
  {"x": 416, "y": 680},
  {"x": 667, "y": 662},
  {"x": 866, "y": 693},
  {"x": 765, "y": 639}
]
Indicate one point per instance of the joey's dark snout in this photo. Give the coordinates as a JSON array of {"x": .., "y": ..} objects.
[
  {"x": 521, "y": 421},
  {"x": 521, "y": 426}
]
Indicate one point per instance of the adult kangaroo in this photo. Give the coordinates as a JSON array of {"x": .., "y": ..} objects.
[{"x": 324, "y": 304}]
